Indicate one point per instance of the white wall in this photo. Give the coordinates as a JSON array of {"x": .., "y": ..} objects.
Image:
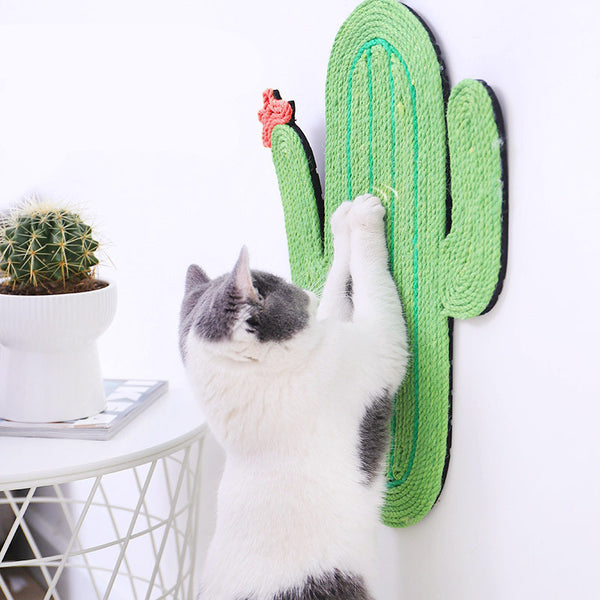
[{"x": 146, "y": 113}]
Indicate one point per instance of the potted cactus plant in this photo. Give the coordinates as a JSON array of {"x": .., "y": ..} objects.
[{"x": 52, "y": 310}]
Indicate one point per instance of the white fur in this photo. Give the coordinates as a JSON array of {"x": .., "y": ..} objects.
[{"x": 293, "y": 500}]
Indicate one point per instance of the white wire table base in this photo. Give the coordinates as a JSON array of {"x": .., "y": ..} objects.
[{"x": 128, "y": 534}]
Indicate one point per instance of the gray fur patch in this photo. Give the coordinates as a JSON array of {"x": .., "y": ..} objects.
[
  {"x": 196, "y": 283},
  {"x": 218, "y": 310},
  {"x": 329, "y": 586},
  {"x": 282, "y": 312},
  {"x": 349, "y": 287},
  {"x": 213, "y": 308},
  {"x": 374, "y": 435}
]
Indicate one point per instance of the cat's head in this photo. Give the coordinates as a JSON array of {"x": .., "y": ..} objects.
[{"x": 241, "y": 313}]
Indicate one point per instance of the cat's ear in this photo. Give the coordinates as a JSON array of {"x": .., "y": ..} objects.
[
  {"x": 195, "y": 276},
  {"x": 242, "y": 277}
]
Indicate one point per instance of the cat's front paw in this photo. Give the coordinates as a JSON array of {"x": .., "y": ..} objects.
[
  {"x": 340, "y": 222},
  {"x": 367, "y": 213}
]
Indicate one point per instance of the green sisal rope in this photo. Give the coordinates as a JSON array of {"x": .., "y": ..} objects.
[{"x": 392, "y": 131}]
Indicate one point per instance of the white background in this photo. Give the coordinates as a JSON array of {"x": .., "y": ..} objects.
[{"x": 144, "y": 113}]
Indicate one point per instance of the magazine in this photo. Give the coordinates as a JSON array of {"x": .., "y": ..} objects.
[{"x": 125, "y": 398}]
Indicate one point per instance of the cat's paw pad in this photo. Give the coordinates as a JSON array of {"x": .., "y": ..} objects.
[
  {"x": 367, "y": 213},
  {"x": 340, "y": 223}
]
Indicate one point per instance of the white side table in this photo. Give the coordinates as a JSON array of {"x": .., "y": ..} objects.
[{"x": 108, "y": 519}]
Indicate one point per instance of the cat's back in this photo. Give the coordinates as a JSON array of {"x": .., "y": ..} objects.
[{"x": 293, "y": 500}]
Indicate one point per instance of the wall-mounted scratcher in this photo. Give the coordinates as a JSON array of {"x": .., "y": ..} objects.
[{"x": 438, "y": 163}]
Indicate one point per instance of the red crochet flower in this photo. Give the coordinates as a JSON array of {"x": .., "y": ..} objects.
[{"x": 275, "y": 112}]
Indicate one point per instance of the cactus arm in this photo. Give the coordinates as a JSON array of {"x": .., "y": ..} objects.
[
  {"x": 473, "y": 254},
  {"x": 302, "y": 205}
]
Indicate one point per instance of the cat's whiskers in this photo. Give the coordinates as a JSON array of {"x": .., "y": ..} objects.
[{"x": 317, "y": 289}]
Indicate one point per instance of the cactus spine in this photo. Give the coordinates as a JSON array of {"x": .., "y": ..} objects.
[
  {"x": 41, "y": 245},
  {"x": 392, "y": 131}
]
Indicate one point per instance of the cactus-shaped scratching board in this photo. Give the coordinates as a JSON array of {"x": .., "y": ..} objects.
[{"x": 437, "y": 161}]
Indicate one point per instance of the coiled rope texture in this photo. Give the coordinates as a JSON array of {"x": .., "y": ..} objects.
[{"x": 393, "y": 131}]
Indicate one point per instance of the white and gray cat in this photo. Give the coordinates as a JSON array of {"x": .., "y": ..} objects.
[{"x": 300, "y": 398}]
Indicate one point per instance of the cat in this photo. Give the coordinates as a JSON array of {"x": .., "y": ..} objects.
[{"x": 299, "y": 394}]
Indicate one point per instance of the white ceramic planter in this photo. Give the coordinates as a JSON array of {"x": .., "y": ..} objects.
[{"x": 49, "y": 365}]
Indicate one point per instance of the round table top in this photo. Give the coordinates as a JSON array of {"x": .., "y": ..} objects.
[{"x": 169, "y": 423}]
